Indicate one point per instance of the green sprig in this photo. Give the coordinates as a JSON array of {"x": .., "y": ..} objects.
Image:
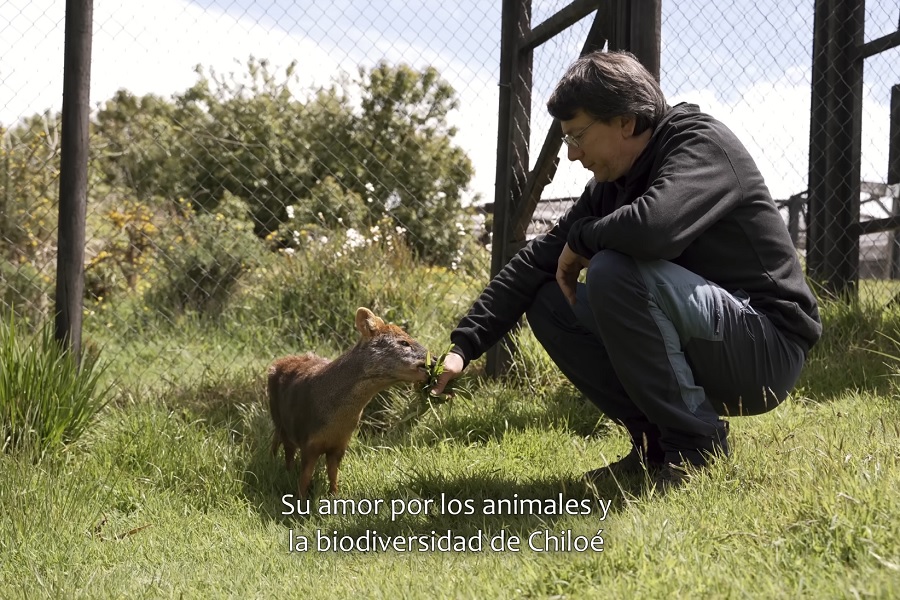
[{"x": 435, "y": 368}]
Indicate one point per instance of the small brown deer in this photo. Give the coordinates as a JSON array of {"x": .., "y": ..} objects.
[{"x": 316, "y": 403}]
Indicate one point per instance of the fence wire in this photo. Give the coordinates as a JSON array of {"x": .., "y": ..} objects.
[{"x": 280, "y": 163}]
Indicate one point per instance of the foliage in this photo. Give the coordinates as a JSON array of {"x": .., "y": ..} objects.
[
  {"x": 46, "y": 398},
  {"x": 250, "y": 141},
  {"x": 29, "y": 186},
  {"x": 364, "y": 152},
  {"x": 403, "y": 160},
  {"x": 311, "y": 290},
  {"x": 127, "y": 251},
  {"x": 850, "y": 354},
  {"x": 330, "y": 209},
  {"x": 145, "y": 144},
  {"x": 336, "y": 164},
  {"x": 24, "y": 290},
  {"x": 203, "y": 255}
]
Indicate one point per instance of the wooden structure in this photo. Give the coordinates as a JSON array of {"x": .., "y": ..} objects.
[
  {"x": 618, "y": 25},
  {"x": 893, "y": 174},
  {"x": 839, "y": 52},
  {"x": 73, "y": 172}
]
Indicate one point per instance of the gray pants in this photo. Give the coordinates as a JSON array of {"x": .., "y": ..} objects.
[{"x": 664, "y": 352}]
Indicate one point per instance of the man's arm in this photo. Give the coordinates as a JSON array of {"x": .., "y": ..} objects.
[
  {"x": 568, "y": 268},
  {"x": 509, "y": 294}
]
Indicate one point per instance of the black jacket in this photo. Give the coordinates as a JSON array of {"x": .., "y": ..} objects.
[{"x": 693, "y": 197}]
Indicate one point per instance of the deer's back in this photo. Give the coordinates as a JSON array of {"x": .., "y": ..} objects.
[{"x": 304, "y": 402}]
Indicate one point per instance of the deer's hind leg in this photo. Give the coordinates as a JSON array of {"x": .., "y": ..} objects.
[
  {"x": 290, "y": 449},
  {"x": 276, "y": 442},
  {"x": 333, "y": 461},
  {"x": 308, "y": 459}
]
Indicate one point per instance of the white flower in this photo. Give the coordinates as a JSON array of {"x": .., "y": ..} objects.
[
  {"x": 288, "y": 251},
  {"x": 392, "y": 202},
  {"x": 400, "y": 230},
  {"x": 354, "y": 239},
  {"x": 290, "y": 212}
]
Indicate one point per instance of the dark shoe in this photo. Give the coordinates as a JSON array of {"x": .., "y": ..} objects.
[
  {"x": 670, "y": 477},
  {"x": 679, "y": 470},
  {"x": 631, "y": 465}
]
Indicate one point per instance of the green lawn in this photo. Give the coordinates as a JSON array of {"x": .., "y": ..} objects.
[{"x": 173, "y": 494}]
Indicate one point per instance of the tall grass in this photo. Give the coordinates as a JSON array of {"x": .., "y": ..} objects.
[
  {"x": 853, "y": 351},
  {"x": 46, "y": 398}
]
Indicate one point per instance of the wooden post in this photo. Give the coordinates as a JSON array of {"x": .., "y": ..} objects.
[
  {"x": 626, "y": 25},
  {"x": 548, "y": 159},
  {"x": 73, "y": 172},
  {"x": 893, "y": 175},
  {"x": 514, "y": 130},
  {"x": 636, "y": 27},
  {"x": 645, "y": 33},
  {"x": 835, "y": 145}
]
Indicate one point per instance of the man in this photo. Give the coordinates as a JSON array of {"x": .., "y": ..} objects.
[{"x": 694, "y": 305}]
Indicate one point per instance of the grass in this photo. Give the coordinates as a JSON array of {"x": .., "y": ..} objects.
[
  {"x": 172, "y": 493},
  {"x": 46, "y": 397}
]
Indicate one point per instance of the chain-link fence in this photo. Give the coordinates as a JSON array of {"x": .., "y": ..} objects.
[{"x": 323, "y": 156}]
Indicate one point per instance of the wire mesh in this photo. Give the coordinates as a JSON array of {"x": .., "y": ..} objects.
[{"x": 281, "y": 162}]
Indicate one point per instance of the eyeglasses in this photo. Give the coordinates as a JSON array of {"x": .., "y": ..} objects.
[{"x": 574, "y": 141}]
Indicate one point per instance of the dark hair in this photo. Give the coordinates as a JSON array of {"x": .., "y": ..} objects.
[{"x": 608, "y": 85}]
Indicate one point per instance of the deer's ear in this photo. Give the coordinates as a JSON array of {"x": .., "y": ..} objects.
[{"x": 367, "y": 323}]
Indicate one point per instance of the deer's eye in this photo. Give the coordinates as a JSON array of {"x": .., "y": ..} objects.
[{"x": 404, "y": 343}]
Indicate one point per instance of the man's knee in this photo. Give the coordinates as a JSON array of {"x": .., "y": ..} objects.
[{"x": 612, "y": 277}]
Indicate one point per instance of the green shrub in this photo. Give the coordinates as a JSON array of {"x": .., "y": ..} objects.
[
  {"x": 119, "y": 264},
  {"x": 26, "y": 289},
  {"x": 46, "y": 399},
  {"x": 203, "y": 258},
  {"x": 309, "y": 292}
]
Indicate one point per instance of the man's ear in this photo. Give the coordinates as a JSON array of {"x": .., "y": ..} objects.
[{"x": 628, "y": 123}]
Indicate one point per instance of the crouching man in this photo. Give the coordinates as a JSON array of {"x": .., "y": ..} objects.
[{"x": 694, "y": 306}]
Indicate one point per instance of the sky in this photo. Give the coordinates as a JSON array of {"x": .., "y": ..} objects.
[{"x": 745, "y": 62}]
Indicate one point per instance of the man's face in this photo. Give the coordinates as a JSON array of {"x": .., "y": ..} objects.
[{"x": 601, "y": 148}]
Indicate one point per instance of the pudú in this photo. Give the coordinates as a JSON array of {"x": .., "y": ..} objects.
[{"x": 316, "y": 403}]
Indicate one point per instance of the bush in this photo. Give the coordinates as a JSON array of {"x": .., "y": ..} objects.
[
  {"x": 45, "y": 398},
  {"x": 309, "y": 292},
  {"x": 129, "y": 230},
  {"x": 25, "y": 289},
  {"x": 203, "y": 258}
]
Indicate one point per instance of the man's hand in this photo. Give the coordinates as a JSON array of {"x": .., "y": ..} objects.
[
  {"x": 453, "y": 366},
  {"x": 567, "y": 271}
]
